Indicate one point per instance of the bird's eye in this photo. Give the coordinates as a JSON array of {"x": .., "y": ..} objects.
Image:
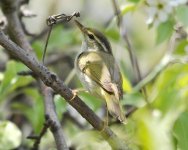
[{"x": 91, "y": 36}]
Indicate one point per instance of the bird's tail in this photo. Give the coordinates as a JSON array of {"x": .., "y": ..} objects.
[{"x": 114, "y": 107}]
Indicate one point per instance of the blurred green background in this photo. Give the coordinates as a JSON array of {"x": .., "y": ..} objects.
[{"x": 162, "y": 125}]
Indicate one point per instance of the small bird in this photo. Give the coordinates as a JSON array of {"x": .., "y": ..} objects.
[{"x": 98, "y": 71}]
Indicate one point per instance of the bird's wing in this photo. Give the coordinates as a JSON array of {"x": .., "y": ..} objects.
[{"x": 101, "y": 68}]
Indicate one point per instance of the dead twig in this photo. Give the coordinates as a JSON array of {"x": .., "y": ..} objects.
[
  {"x": 55, "y": 19},
  {"x": 132, "y": 56},
  {"x": 39, "y": 137}
]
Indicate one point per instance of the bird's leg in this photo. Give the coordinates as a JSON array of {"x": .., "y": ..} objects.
[
  {"x": 105, "y": 120},
  {"x": 76, "y": 91}
]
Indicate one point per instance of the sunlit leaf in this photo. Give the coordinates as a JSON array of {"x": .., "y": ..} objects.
[
  {"x": 47, "y": 142},
  {"x": 127, "y": 8},
  {"x": 1, "y": 76},
  {"x": 94, "y": 141},
  {"x": 126, "y": 132},
  {"x": 181, "y": 131},
  {"x": 10, "y": 135},
  {"x": 127, "y": 87},
  {"x": 171, "y": 88},
  {"x": 134, "y": 1},
  {"x": 170, "y": 95},
  {"x": 181, "y": 48},
  {"x": 152, "y": 130}
]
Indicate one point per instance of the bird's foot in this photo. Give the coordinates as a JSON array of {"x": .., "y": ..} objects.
[{"x": 76, "y": 91}]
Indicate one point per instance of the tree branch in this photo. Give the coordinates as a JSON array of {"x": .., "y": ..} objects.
[
  {"x": 134, "y": 61},
  {"x": 167, "y": 59},
  {"x": 133, "y": 58},
  {"x": 16, "y": 33},
  {"x": 15, "y": 28},
  {"x": 58, "y": 86},
  {"x": 51, "y": 116}
]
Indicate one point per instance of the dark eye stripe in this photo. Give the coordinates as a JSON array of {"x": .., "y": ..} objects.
[{"x": 91, "y": 36}]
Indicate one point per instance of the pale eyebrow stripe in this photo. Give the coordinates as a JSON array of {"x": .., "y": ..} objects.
[{"x": 103, "y": 46}]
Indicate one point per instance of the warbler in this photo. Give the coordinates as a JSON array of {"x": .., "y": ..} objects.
[{"x": 98, "y": 70}]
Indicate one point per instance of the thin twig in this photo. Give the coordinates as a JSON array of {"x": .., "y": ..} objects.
[
  {"x": 15, "y": 30},
  {"x": 130, "y": 111},
  {"x": 132, "y": 56},
  {"x": 39, "y": 137},
  {"x": 55, "y": 19},
  {"x": 165, "y": 62},
  {"x": 123, "y": 33},
  {"x": 70, "y": 76},
  {"x": 46, "y": 44},
  {"x": 51, "y": 116},
  {"x": 61, "y": 18}
]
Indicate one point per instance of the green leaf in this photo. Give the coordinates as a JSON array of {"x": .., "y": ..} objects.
[
  {"x": 38, "y": 46},
  {"x": 181, "y": 48},
  {"x": 127, "y": 8},
  {"x": 181, "y": 131},
  {"x": 61, "y": 105},
  {"x": 134, "y": 1},
  {"x": 94, "y": 141},
  {"x": 61, "y": 37},
  {"x": 10, "y": 135},
  {"x": 127, "y": 87},
  {"x": 35, "y": 111},
  {"x": 171, "y": 89},
  {"x": 135, "y": 99},
  {"x": 152, "y": 131},
  {"x": 182, "y": 14},
  {"x": 113, "y": 33},
  {"x": 11, "y": 80},
  {"x": 92, "y": 101},
  {"x": 164, "y": 31}
]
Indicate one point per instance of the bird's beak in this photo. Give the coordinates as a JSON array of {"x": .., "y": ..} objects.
[{"x": 80, "y": 26}]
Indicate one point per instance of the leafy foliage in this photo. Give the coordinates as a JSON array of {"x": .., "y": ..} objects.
[
  {"x": 180, "y": 130},
  {"x": 164, "y": 31}
]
